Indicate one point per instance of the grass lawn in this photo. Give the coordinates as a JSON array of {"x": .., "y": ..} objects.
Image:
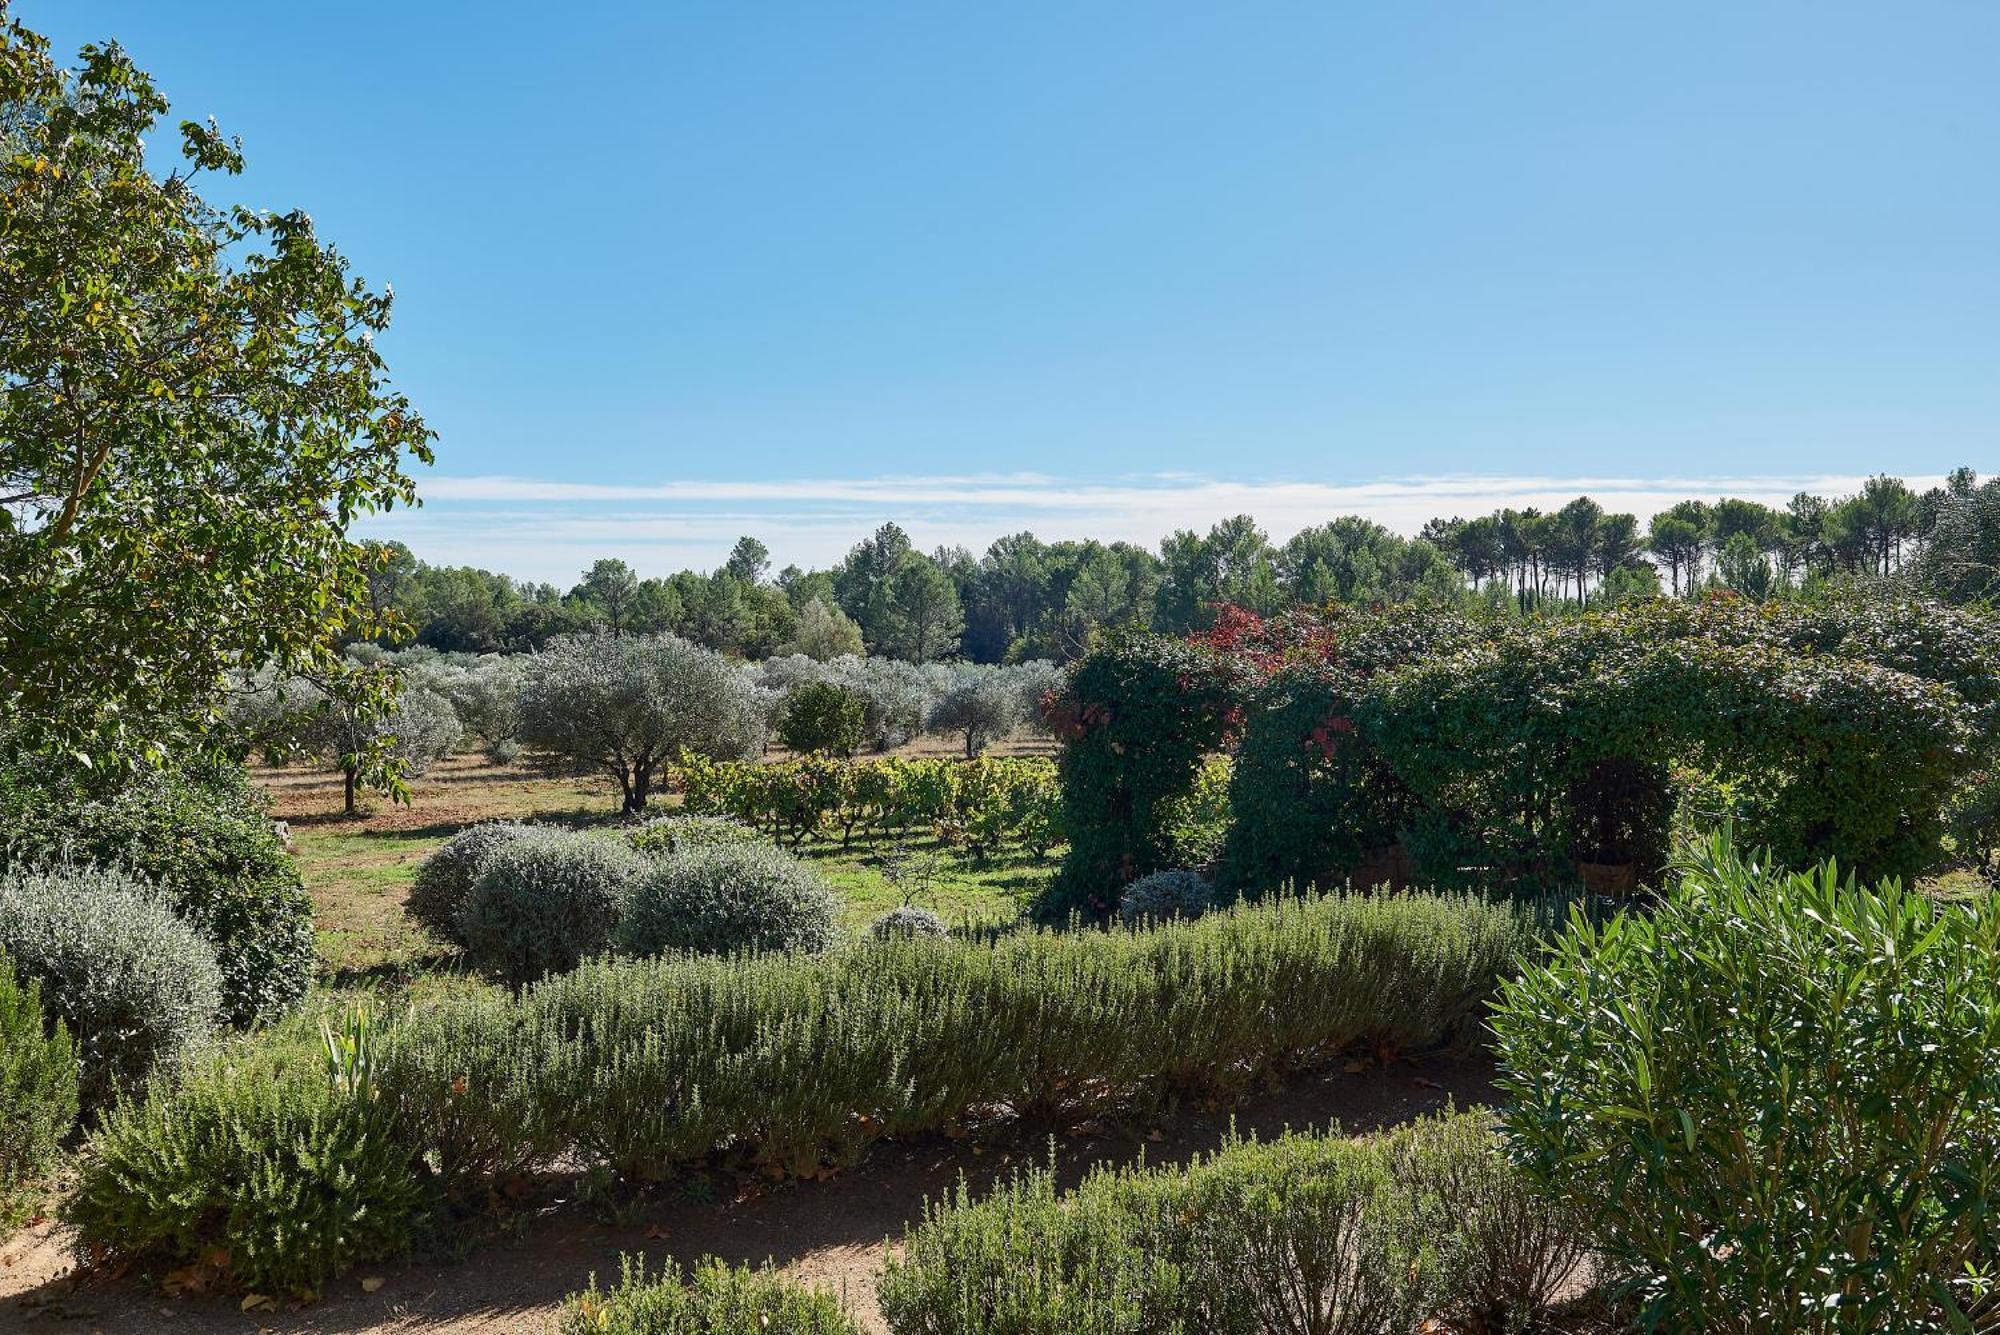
[{"x": 359, "y": 871}]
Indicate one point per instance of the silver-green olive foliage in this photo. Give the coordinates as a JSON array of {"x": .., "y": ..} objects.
[{"x": 626, "y": 705}]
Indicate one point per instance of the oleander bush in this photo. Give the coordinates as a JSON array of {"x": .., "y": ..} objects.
[
  {"x": 137, "y": 988},
  {"x": 203, "y": 837},
  {"x": 266, "y": 1169},
  {"x": 715, "y": 1299},
  {"x": 681, "y": 833},
  {"x": 1167, "y": 894},
  {"x": 907, "y": 920},
  {"x": 1305, "y": 1233},
  {"x": 38, "y": 1094},
  {"x": 726, "y": 898},
  {"x": 545, "y": 900},
  {"x": 444, "y": 881},
  {"x": 1773, "y": 1098}
]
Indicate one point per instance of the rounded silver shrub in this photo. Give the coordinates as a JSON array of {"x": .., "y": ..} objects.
[
  {"x": 1167, "y": 894},
  {"x": 139, "y": 989},
  {"x": 544, "y": 900},
  {"x": 729, "y": 898},
  {"x": 437, "y": 897},
  {"x": 907, "y": 921}
]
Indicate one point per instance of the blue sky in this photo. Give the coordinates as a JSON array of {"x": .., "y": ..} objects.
[{"x": 680, "y": 271}]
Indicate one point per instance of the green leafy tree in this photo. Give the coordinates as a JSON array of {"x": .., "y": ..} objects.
[
  {"x": 823, "y": 631},
  {"x": 916, "y": 614},
  {"x": 823, "y": 717},
  {"x": 192, "y": 410},
  {"x": 610, "y": 589},
  {"x": 749, "y": 561}
]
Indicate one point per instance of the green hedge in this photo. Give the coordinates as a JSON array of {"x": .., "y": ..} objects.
[
  {"x": 786, "y": 1063},
  {"x": 1427, "y": 1229},
  {"x": 1523, "y": 753}
]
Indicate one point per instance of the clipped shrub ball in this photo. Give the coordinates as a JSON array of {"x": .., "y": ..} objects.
[
  {"x": 714, "y": 1300},
  {"x": 907, "y": 921},
  {"x": 545, "y": 900},
  {"x": 1167, "y": 894},
  {"x": 730, "y": 898},
  {"x": 437, "y": 896},
  {"x": 38, "y": 1102},
  {"x": 279, "y": 1178},
  {"x": 138, "y": 988},
  {"x": 203, "y": 837},
  {"x": 681, "y": 834}
]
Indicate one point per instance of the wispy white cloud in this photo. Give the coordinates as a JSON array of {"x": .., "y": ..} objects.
[{"x": 541, "y": 529}]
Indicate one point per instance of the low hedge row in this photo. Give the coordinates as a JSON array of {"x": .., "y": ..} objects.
[
  {"x": 1425, "y": 1229},
  {"x": 976, "y": 804},
  {"x": 791, "y": 1064}
]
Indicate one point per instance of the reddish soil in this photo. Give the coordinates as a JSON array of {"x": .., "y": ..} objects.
[{"x": 832, "y": 1233}]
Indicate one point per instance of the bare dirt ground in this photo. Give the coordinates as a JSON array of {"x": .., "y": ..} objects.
[{"x": 833, "y": 1234}]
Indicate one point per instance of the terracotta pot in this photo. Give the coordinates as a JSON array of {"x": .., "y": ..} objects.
[
  {"x": 1609, "y": 878},
  {"x": 1386, "y": 866}
]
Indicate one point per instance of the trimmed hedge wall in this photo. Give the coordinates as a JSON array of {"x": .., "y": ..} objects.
[{"x": 1511, "y": 753}]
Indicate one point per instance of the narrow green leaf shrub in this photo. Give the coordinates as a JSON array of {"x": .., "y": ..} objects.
[
  {"x": 201, "y": 835},
  {"x": 798, "y": 1061},
  {"x": 136, "y": 987},
  {"x": 38, "y": 1099},
  {"x": 907, "y": 920},
  {"x": 681, "y": 833},
  {"x": 1774, "y": 1099},
  {"x": 444, "y": 881},
  {"x": 267, "y": 1163},
  {"x": 1503, "y": 1254},
  {"x": 1305, "y": 1233},
  {"x": 1166, "y": 894},
  {"x": 545, "y": 900},
  {"x": 729, "y": 897},
  {"x": 714, "y": 1300},
  {"x": 463, "y": 1078}
]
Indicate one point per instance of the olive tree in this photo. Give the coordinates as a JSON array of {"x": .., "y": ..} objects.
[
  {"x": 625, "y": 705},
  {"x": 982, "y": 706},
  {"x": 192, "y": 411}
]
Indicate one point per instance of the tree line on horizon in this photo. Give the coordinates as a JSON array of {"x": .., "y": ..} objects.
[{"x": 1025, "y": 598}]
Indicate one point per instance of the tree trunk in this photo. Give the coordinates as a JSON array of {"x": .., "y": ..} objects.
[
  {"x": 635, "y": 791},
  {"x": 350, "y": 778}
]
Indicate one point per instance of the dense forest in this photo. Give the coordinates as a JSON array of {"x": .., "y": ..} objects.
[{"x": 1025, "y": 598}]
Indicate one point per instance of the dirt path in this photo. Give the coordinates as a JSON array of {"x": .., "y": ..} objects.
[{"x": 831, "y": 1234}]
